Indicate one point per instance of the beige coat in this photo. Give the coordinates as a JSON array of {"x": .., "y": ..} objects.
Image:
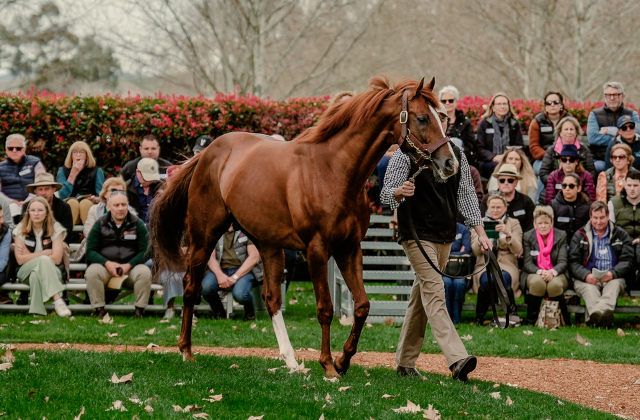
[{"x": 506, "y": 255}]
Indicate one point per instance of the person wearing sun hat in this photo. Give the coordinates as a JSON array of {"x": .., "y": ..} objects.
[
  {"x": 142, "y": 188},
  {"x": 45, "y": 186}
]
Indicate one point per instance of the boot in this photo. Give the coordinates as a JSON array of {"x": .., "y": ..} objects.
[
  {"x": 533, "y": 308},
  {"x": 564, "y": 310},
  {"x": 219, "y": 312},
  {"x": 482, "y": 306},
  {"x": 513, "y": 317}
]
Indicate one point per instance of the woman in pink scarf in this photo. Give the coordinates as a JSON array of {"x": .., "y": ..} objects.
[{"x": 545, "y": 262}]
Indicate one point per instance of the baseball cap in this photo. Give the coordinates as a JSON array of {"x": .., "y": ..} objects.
[
  {"x": 149, "y": 169},
  {"x": 625, "y": 119},
  {"x": 202, "y": 142}
]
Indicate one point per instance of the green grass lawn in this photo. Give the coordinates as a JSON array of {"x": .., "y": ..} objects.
[
  {"x": 57, "y": 385},
  {"x": 606, "y": 346}
]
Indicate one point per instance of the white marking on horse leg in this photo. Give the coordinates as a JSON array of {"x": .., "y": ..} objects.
[{"x": 286, "y": 350}]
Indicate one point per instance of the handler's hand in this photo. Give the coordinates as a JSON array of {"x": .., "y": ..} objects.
[
  {"x": 405, "y": 190},
  {"x": 485, "y": 242}
]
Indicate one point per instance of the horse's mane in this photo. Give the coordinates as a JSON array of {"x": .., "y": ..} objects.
[{"x": 362, "y": 107}]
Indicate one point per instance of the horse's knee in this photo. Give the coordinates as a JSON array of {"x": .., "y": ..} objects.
[
  {"x": 325, "y": 315},
  {"x": 361, "y": 310}
]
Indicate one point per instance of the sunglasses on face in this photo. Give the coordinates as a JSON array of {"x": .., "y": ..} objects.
[
  {"x": 447, "y": 101},
  {"x": 618, "y": 157},
  {"x": 117, "y": 192},
  {"x": 627, "y": 127},
  {"x": 570, "y": 186},
  {"x": 14, "y": 149},
  {"x": 509, "y": 180},
  {"x": 556, "y": 102},
  {"x": 568, "y": 159}
]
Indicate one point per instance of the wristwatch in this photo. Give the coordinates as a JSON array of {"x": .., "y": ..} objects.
[{"x": 235, "y": 277}]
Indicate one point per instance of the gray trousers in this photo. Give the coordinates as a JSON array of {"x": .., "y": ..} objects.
[
  {"x": 601, "y": 296},
  {"x": 97, "y": 277}
]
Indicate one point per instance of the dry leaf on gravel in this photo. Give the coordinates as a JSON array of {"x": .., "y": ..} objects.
[
  {"x": 123, "y": 380},
  {"x": 8, "y": 357},
  {"x": 496, "y": 395},
  {"x": 254, "y": 326},
  {"x": 333, "y": 380},
  {"x": 151, "y": 331},
  {"x": 388, "y": 397},
  {"x": 151, "y": 345},
  {"x": 636, "y": 382},
  {"x": 117, "y": 405},
  {"x": 509, "y": 401},
  {"x": 79, "y": 414},
  {"x": 582, "y": 341},
  {"x": 213, "y": 398},
  {"x": 467, "y": 337},
  {"x": 299, "y": 369},
  {"x": 6, "y": 366},
  {"x": 621, "y": 333},
  {"x": 410, "y": 408},
  {"x": 431, "y": 413},
  {"x": 255, "y": 417},
  {"x": 527, "y": 332},
  {"x": 346, "y": 321},
  {"x": 343, "y": 388},
  {"x": 234, "y": 366},
  {"x": 106, "y": 320},
  {"x": 111, "y": 335}
]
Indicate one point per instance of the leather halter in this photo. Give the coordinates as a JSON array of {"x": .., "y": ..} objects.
[{"x": 421, "y": 153}]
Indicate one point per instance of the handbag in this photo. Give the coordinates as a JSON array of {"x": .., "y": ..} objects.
[
  {"x": 459, "y": 265},
  {"x": 549, "y": 315}
]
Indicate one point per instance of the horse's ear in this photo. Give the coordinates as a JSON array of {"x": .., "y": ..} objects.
[
  {"x": 419, "y": 89},
  {"x": 432, "y": 84}
]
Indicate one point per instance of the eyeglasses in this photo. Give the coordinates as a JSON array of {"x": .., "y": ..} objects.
[
  {"x": 612, "y": 95},
  {"x": 570, "y": 186},
  {"x": 447, "y": 101},
  {"x": 81, "y": 152},
  {"x": 14, "y": 149},
  {"x": 568, "y": 159},
  {"x": 118, "y": 192},
  {"x": 628, "y": 127},
  {"x": 509, "y": 180},
  {"x": 618, "y": 157},
  {"x": 556, "y": 102},
  {"x": 37, "y": 210}
]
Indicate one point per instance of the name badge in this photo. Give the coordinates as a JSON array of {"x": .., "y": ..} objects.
[
  {"x": 564, "y": 219},
  {"x": 242, "y": 239},
  {"x": 520, "y": 212},
  {"x": 535, "y": 253},
  {"x": 558, "y": 186},
  {"x": 602, "y": 251},
  {"x": 29, "y": 242},
  {"x": 546, "y": 129},
  {"x": 24, "y": 172},
  {"x": 490, "y": 131},
  {"x": 458, "y": 236},
  {"x": 130, "y": 237}
]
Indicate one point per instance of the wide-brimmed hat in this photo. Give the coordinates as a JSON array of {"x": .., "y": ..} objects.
[
  {"x": 44, "y": 179},
  {"x": 507, "y": 170},
  {"x": 149, "y": 169}
]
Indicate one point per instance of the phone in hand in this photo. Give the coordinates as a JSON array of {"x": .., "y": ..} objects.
[
  {"x": 119, "y": 271},
  {"x": 490, "y": 229}
]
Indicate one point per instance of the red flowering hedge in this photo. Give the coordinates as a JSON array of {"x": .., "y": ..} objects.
[{"x": 114, "y": 125}]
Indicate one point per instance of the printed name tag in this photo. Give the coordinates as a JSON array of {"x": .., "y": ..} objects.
[
  {"x": 564, "y": 219},
  {"x": 24, "y": 172},
  {"x": 546, "y": 129},
  {"x": 458, "y": 236},
  {"x": 603, "y": 251},
  {"x": 490, "y": 131},
  {"x": 520, "y": 212},
  {"x": 29, "y": 242},
  {"x": 558, "y": 186},
  {"x": 130, "y": 237},
  {"x": 242, "y": 239},
  {"x": 535, "y": 253}
]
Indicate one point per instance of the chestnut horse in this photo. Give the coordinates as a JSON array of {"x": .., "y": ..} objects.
[{"x": 306, "y": 194}]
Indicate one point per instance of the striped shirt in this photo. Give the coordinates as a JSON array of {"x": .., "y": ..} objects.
[
  {"x": 602, "y": 251},
  {"x": 398, "y": 172}
]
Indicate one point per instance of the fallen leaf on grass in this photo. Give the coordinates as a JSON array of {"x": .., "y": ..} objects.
[
  {"x": 467, "y": 337},
  {"x": 254, "y": 326},
  {"x": 431, "y": 413},
  {"x": 621, "y": 333},
  {"x": 151, "y": 331},
  {"x": 367, "y": 384},
  {"x": 170, "y": 327},
  {"x": 8, "y": 357},
  {"x": 40, "y": 321},
  {"x": 388, "y": 397},
  {"x": 255, "y": 417},
  {"x": 111, "y": 335},
  {"x": 213, "y": 398},
  {"x": 475, "y": 389},
  {"x": 148, "y": 408},
  {"x": 117, "y": 405},
  {"x": 410, "y": 408},
  {"x": 509, "y": 401},
  {"x": 179, "y": 384},
  {"x": 234, "y": 366},
  {"x": 368, "y": 325},
  {"x": 389, "y": 321},
  {"x": 164, "y": 321},
  {"x": 299, "y": 369},
  {"x": 321, "y": 416},
  {"x": 106, "y": 320},
  {"x": 6, "y": 366},
  {"x": 271, "y": 370},
  {"x": 46, "y": 399},
  {"x": 123, "y": 380},
  {"x": 496, "y": 385},
  {"x": 293, "y": 301},
  {"x": 333, "y": 380},
  {"x": 527, "y": 332},
  {"x": 582, "y": 341},
  {"x": 367, "y": 374},
  {"x": 79, "y": 414},
  {"x": 490, "y": 331},
  {"x": 346, "y": 321},
  {"x": 548, "y": 341},
  {"x": 343, "y": 388},
  {"x": 559, "y": 402},
  {"x": 496, "y": 395},
  {"x": 327, "y": 398},
  {"x": 234, "y": 327},
  {"x": 151, "y": 345},
  {"x": 32, "y": 355},
  {"x": 201, "y": 416}
]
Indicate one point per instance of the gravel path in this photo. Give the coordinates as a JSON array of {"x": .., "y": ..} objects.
[{"x": 605, "y": 387}]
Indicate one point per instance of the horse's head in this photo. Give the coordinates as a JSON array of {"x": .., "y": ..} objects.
[{"x": 422, "y": 134}]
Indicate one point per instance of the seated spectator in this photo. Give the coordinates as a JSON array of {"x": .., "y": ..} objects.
[
  {"x": 507, "y": 246},
  {"x": 626, "y": 135},
  {"x": 496, "y": 131},
  {"x": 567, "y": 131},
  {"x": 528, "y": 185},
  {"x": 545, "y": 263},
  {"x": 569, "y": 164},
  {"x": 5, "y": 249},
  {"x": 543, "y": 125},
  {"x": 39, "y": 251},
  {"x": 622, "y": 207},
  {"x": 142, "y": 188},
  {"x": 117, "y": 246},
  {"x": 202, "y": 143},
  {"x": 520, "y": 206},
  {"x": 570, "y": 206},
  {"x": 455, "y": 289},
  {"x": 234, "y": 264},
  {"x": 459, "y": 127},
  {"x": 149, "y": 148},
  {"x": 17, "y": 171},
  {"x": 98, "y": 210},
  {"x": 81, "y": 181},
  {"x": 602, "y": 122},
  {"x": 600, "y": 256},
  {"x": 45, "y": 187},
  {"x": 611, "y": 182}
]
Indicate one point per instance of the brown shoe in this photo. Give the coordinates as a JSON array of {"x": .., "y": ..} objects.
[
  {"x": 607, "y": 319},
  {"x": 462, "y": 368},
  {"x": 409, "y": 371},
  {"x": 99, "y": 313},
  {"x": 138, "y": 313}
]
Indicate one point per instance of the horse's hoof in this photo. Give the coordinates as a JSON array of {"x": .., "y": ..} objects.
[
  {"x": 188, "y": 357},
  {"x": 341, "y": 372}
]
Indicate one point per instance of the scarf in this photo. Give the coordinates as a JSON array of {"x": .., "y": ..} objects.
[
  {"x": 500, "y": 134},
  {"x": 544, "y": 257}
]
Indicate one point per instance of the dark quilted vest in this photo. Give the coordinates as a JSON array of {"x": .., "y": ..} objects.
[
  {"x": 13, "y": 185},
  {"x": 47, "y": 243},
  {"x": 119, "y": 244},
  {"x": 85, "y": 181},
  {"x": 607, "y": 118}
]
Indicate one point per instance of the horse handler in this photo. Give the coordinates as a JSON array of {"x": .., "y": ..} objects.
[{"x": 434, "y": 207}]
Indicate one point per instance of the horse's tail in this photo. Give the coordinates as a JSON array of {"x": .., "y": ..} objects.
[{"x": 168, "y": 219}]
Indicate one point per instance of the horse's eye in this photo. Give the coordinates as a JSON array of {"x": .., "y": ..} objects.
[{"x": 422, "y": 120}]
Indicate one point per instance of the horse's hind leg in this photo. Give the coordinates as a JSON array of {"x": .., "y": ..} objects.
[
  {"x": 350, "y": 265},
  {"x": 273, "y": 259}
]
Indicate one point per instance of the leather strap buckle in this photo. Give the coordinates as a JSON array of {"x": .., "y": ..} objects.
[{"x": 404, "y": 117}]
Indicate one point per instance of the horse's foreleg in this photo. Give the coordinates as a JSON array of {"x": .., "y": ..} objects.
[
  {"x": 317, "y": 256},
  {"x": 351, "y": 268},
  {"x": 192, "y": 282}
]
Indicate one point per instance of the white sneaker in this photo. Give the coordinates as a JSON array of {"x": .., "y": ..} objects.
[
  {"x": 169, "y": 313},
  {"x": 61, "y": 308}
]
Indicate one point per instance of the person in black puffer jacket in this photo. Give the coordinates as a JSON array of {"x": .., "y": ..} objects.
[
  {"x": 460, "y": 129},
  {"x": 570, "y": 206}
]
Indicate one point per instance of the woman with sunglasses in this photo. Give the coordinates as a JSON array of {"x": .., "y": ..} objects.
[
  {"x": 569, "y": 164},
  {"x": 496, "y": 131},
  {"x": 81, "y": 181},
  {"x": 626, "y": 135},
  {"x": 507, "y": 246},
  {"x": 529, "y": 183},
  {"x": 571, "y": 206},
  {"x": 459, "y": 126},
  {"x": 38, "y": 250},
  {"x": 568, "y": 131},
  {"x": 611, "y": 181},
  {"x": 543, "y": 125}
]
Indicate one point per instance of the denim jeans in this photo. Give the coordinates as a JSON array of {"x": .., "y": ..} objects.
[
  {"x": 537, "y": 164},
  {"x": 241, "y": 291},
  {"x": 600, "y": 166},
  {"x": 484, "y": 282},
  {"x": 454, "y": 291}
]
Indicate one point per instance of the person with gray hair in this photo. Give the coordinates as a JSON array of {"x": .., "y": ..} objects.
[
  {"x": 459, "y": 128},
  {"x": 602, "y": 125},
  {"x": 17, "y": 171}
]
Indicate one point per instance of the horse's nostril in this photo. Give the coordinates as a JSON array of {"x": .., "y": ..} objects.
[{"x": 449, "y": 165}]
